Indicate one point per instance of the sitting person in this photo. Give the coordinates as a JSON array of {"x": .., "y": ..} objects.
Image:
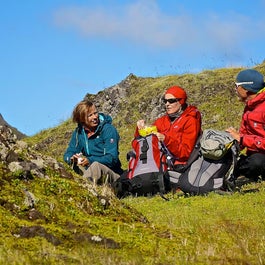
[
  {"x": 179, "y": 128},
  {"x": 249, "y": 88},
  {"x": 94, "y": 144}
]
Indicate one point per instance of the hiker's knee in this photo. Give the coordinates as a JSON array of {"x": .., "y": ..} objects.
[
  {"x": 257, "y": 160},
  {"x": 93, "y": 172}
]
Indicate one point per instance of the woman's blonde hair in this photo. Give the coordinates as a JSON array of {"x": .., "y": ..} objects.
[{"x": 81, "y": 110}]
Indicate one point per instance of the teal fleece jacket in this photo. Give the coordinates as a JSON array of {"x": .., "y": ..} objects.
[{"x": 102, "y": 146}]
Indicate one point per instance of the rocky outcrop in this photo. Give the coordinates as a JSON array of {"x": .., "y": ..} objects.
[
  {"x": 110, "y": 99},
  {"x": 18, "y": 134},
  {"x": 23, "y": 162},
  {"x": 116, "y": 101},
  {"x": 20, "y": 165}
]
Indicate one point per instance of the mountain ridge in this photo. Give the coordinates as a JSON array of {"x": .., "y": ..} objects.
[{"x": 19, "y": 134}]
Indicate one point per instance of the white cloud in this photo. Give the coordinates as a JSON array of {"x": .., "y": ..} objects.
[
  {"x": 141, "y": 22},
  {"x": 145, "y": 24}
]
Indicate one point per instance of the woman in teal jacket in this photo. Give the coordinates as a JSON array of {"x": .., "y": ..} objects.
[{"x": 94, "y": 144}]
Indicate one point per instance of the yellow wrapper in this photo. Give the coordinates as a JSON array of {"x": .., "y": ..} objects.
[{"x": 147, "y": 130}]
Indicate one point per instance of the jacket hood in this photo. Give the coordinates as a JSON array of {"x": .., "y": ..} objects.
[
  {"x": 256, "y": 100},
  {"x": 191, "y": 111},
  {"x": 103, "y": 119}
]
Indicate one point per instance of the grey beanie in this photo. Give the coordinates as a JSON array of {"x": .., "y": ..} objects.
[{"x": 251, "y": 80}]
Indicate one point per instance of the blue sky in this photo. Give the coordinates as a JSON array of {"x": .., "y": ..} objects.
[{"x": 53, "y": 52}]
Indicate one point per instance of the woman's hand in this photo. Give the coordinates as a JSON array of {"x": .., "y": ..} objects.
[
  {"x": 234, "y": 133},
  {"x": 80, "y": 160},
  {"x": 140, "y": 124},
  {"x": 84, "y": 162},
  {"x": 161, "y": 137}
]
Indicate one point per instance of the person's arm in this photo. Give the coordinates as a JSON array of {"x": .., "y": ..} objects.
[
  {"x": 72, "y": 148},
  {"x": 253, "y": 142},
  {"x": 182, "y": 143},
  {"x": 140, "y": 124},
  {"x": 234, "y": 133}
]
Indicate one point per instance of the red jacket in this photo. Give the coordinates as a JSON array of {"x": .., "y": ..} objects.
[
  {"x": 181, "y": 135},
  {"x": 252, "y": 129}
]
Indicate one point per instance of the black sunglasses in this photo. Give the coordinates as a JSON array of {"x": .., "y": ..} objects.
[{"x": 170, "y": 100}]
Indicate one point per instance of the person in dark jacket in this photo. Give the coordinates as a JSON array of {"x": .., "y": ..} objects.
[
  {"x": 94, "y": 145},
  {"x": 250, "y": 89}
]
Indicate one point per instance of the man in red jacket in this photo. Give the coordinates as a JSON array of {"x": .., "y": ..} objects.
[
  {"x": 251, "y": 135},
  {"x": 180, "y": 127}
]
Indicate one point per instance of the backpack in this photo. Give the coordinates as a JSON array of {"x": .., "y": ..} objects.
[
  {"x": 215, "y": 144},
  {"x": 210, "y": 166},
  {"x": 146, "y": 168}
]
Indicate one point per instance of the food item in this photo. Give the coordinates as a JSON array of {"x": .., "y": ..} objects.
[{"x": 147, "y": 130}]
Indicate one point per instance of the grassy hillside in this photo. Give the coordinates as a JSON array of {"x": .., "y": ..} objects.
[
  {"x": 211, "y": 91},
  {"x": 72, "y": 222}
]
